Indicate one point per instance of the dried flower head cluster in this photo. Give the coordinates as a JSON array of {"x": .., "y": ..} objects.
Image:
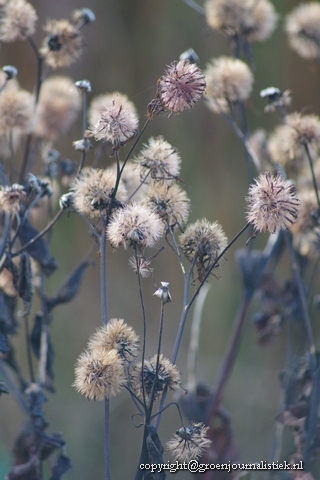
[
  {"x": 188, "y": 443},
  {"x": 135, "y": 225},
  {"x": 16, "y": 110},
  {"x": 116, "y": 335},
  {"x": 250, "y": 20},
  {"x": 228, "y": 81},
  {"x": 159, "y": 160},
  {"x": 63, "y": 44},
  {"x": 99, "y": 371},
  {"x": 99, "y": 374},
  {"x": 272, "y": 204},
  {"x": 11, "y": 197},
  {"x": 93, "y": 191},
  {"x": 102, "y": 102},
  {"x": 302, "y": 27},
  {"x": 58, "y": 108},
  {"x": 181, "y": 87},
  {"x": 203, "y": 242},
  {"x": 170, "y": 203},
  {"x": 167, "y": 376},
  {"x": 17, "y": 20},
  {"x": 116, "y": 125}
]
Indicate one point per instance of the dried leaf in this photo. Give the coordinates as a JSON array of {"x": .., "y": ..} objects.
[{"x": 62, "y": 465}]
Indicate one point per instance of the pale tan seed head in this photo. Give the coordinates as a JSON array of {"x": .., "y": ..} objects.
[
  {"x": 17, "y": 20},
  {"x": 188, "y": 443},
  {"x": 104, "y": 101},
  {"x": 16, "y": 110},
  {"x": 303, "y": 30},
  {"x": 11, "y": 197}
]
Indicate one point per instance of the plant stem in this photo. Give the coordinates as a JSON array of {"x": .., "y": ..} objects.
[
  {"x": 195, "y": 6},
  {"x": 28, "y": 348}
]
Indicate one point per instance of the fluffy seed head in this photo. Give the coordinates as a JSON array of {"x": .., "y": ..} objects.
[
  {"x": 141, "y": 265},
  {"x": 135, "y": 225},
  {"x": 305, "y": 129},
  {"x": 204, "y": 241},
  {"x": 228, "y": 80},
  {"x": 272, "y": 204},
  {"x": 63, "y": 44},
  {"x": 99, "y": 374},
  {"x": 116, "y": 125},
  {"x": 170, "y": 203},
  {"x": 181, "y": 87},
  {"x": 306, "y": 230},
  {"x": 252, "y": 20},
  {"x": 93, "y": 189},
  {"x": 58, "y": 108},
  {"x": 159, "y": 161},
  {"x": 17, "y": 20},
  {"x": 302, "y": 27},
  {"x": 188, "y": 443},
  {"x": 11, "y": 197},
  {"x": 130, "y": 178},
  {"x": 118, "y": 336},
  {"x": 16, "y": 110},
  {"x": 168, "y": 376},
  {"x": 105, "y": 101}
]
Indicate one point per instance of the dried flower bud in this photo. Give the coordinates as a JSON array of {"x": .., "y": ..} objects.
[
  {"x": 65, "y": 201},
  {"x": 99, "y": 374},
  {"x": 159, "y": 160},
  {"x": 276, "y": 98},
  {"x": 245, "y": 19},
  {"x": 84, "y": 15},
  {"x": 118, "y": 336},
  {"x": 189, "y": 443},
  {"x": 83, "y": 145},
  {"x": 84, "y": 85},
  {"x": 181, "y": 87},
  {"x": 203, "y": 242},
  {"x": 229, "y": 80},
  {"x": 163, "y": 293},
  {"x": 63, "y": 44},
  {"x": 167, "y": 377},
  {"x": 59, "y": 105},
  {"x": 18, "y": 19},
  {"x": 116, "y": 125},
  {"x": 10, "y": 71},
  {"x": 135, "y": 225},
  {"x": 11, "y": 198},
  {"x": 170, "y": 203},
  {"x": 302, "y": 27},
  {"x": 93, "y": 191},
  {"x": 272, "y": 205},
  {"x": 189, "y": 55}
]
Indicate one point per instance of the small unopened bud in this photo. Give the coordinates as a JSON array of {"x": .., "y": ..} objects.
[
  {"x": 84, "y": 85},
  {"x": 163, "y": 293},
  {"x": 10, "y": 71},
  {"x": 271, "y": 93},
  {"x": 34, "y": 182},
  {"x": 82, "y": 145},
  {"x": 190, "y": 55},
  {"x": 84, "y": 14},
  {"x": 65, "y": 201}
]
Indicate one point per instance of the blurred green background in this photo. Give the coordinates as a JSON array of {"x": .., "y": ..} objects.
[{"x": 127, "y": 49}]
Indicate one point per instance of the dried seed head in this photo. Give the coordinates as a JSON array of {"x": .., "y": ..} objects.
[
  {"x": 93, "y": 190},
  {"x": 135, "y": 225},
  {"x": 181, "y": 87},
  {"x": 259, "y": 144},
  {"x": 228, "y": 80},
  {"x": 305, "y": 129},
  {"x": 203, "y": 241},
  {"x": 11, "y": 197},
  {"x": 99, "y": 374},
  {"x": 106, "y": 101},
  {"x": 141, "y": 266},
  {"x": 118, "y": 336},
  {"x": 116, "y": 125},
  {"x": 59, "y": 105},
  {"x": 63, "y": 44},
  {"x": 159, "y": 160},
  {"x": 16, "y": 110},
  {"x": 306, "y": 230},
  {"x": 272, "y": 204},
  {"x": 168, "y": 377},
  {"x": 189, "y": 443},
  {"x": 163, "y": 293},
  {"x": 280, "y": 149},
  {"x": 302, "y": 27},
  {"x": 251, "y": 20},
  {"x": 17, "y": 20},
  {"x": 170, "y": 203}
]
